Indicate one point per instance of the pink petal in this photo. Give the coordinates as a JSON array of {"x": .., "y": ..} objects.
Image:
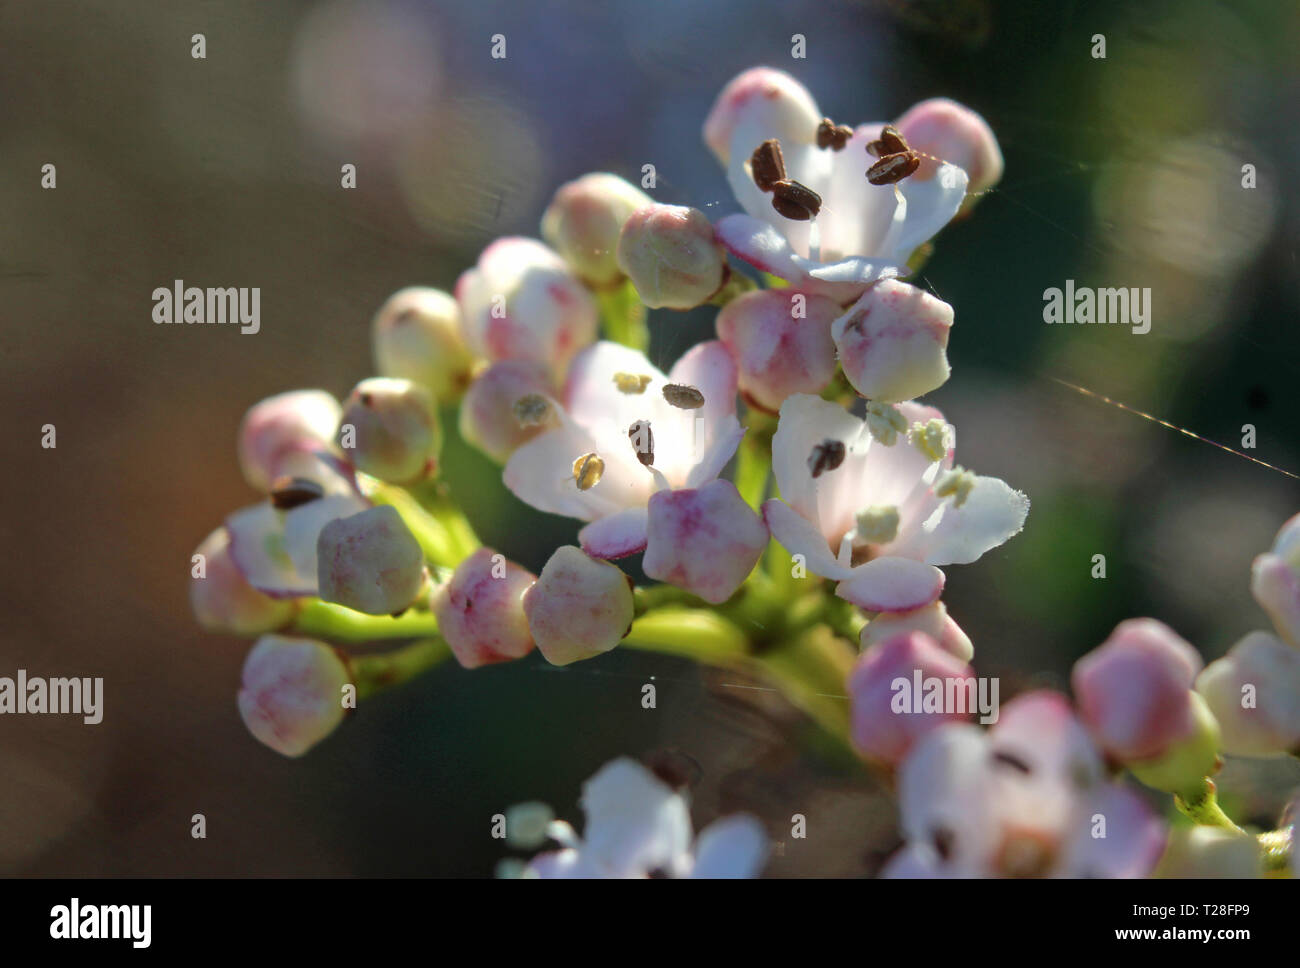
[
  {"x": 892, "y": 585},
  {"x": 706, "y": 541},
  {"x": 616, "y": 535}
]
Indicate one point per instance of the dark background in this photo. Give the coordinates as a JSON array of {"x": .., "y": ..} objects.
[{"x": 225, "y": 172}]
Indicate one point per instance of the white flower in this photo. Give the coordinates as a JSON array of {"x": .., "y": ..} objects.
[
  {"x": 690, "y": 446},
  {"x": 637, "y": 826},
  {"x": 863, "y": 232},
  {"x": 821, "y": 517}
]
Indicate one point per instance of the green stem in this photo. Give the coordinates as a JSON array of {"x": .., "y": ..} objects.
[
  {"x": 383, "y": 670},
  {"x": 1203, "y": 807},
  {"x": 648, "y": 599},
  {"x": 754, "y": 464},
  {"x": 624, "y": 316},
  {"x": 693, "y": 633},
  {"x": 325, "y": 620}
]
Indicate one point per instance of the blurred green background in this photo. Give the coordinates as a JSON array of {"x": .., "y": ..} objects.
[{"x": 225, "y": 172}]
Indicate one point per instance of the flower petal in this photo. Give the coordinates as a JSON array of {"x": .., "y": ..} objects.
[
  {"x": 797, "y": 535},
  {"x": 892, "y": 585},
  {"x": 616, "y": 535},
  {"x": 734, "y": 846},
  {"x": 991, "y": 514},
  {"x": 635, "y": 823},
  {"x": 704, "y": 540}
]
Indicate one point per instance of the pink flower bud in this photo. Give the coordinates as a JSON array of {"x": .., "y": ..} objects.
[
  {"x": 584, "y": 220},
  {"x": 766, "y": 100},
  {"x": 1134, "y": 690},
  {"x": 1275, "y": 581},
  {"x": 580, "y": 607},
  {"x": 369, "y": 562},
  {"x": 488, "y": 418},
  {"x": 282, "y": 425},
  {"x": 898, "y": 691},
  {"x": 480, "y": 611},
  {"x": 292, "y": 695},
  {"x": 224, "y": 601},
  {"x": 1254, "y": 693},
  {"x": 705, "y": 540},
  {"x": 893, "y": 342},
  {"x": 390, "y": 430},
  {"x": 933, "y": 620},
  {"x": 417, "y": 336},
  {"x": 671, "y": 256},
  {"x": 521, "y": 302},
  {"x": 955, "y": 134},
  {"x": 781, "y": 342}
]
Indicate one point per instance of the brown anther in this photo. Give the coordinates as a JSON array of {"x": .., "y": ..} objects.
[
  {"x": 891, "y": 142},
  {"x": 632, "y": 383},
  {"x": 832, "y": 135},
  {"x": 532, "y": 410},
  {"x": 893, "y": 168},
  {"x": 826, "y": 456},
  {"x": 292, "y": 492},
  {"x": 766, "y": 165},
  {"x": 795, "y": 201},
  {"x": 683, "y": 397},
  {"x": 643, "y": 441},
  {"x": 587, "y": 471}
]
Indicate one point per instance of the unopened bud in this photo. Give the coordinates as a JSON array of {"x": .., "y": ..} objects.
[
  {"x": 369, "y": 562},
  {"x": 291, "y": 695},
  {"x": 671, "y": 256},
  {"x": 584, "y": 220},
  {"x": 579, "y": 607},
  {"x": 395, "y": 432},
  {"x": 281, "y": 426},
  {"x": 893, "y": 342},
  {"x": 417, "y": 336},
  {"x": 480, "y": 610}
]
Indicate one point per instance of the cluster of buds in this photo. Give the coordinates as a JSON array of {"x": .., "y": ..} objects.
[{"x": 357, "y": 536}]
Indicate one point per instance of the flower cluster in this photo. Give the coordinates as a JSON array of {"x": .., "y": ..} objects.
[{"x": 791, "y": 448}]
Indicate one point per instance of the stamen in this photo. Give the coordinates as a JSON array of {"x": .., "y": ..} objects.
[
  {"x": 885, "y": 422},
  {"x": 878, "y": 524},
  {"x": 930, "y": 438},
  {"x": 532, "y": 410},
  {"x": 956, "y": 483},
  {"x": 632, "y": 383},
  {"x": 683, "y": 397},
  {"x": 292, "y": 492},
  {"x": 826, "y": 456},
  {"x": 587, "y": 471}
]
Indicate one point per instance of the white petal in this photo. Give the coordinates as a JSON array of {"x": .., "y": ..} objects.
[
  {"x": 258, "y": 551},
  {"x": 796, "y": 535},
  {"x": 615, "y": 536},
  {"x": 540, "y": 473},
  {"x": 929, "y": 206},
  {"x": 806, "y": 421},
  {"x": 991, "y": 514},
  {"x": 635, "y": 823},
  {"x": 734, "y": 846},
  {"x": 763, "y": 247},
  {"x": 892, "y": 585}
]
